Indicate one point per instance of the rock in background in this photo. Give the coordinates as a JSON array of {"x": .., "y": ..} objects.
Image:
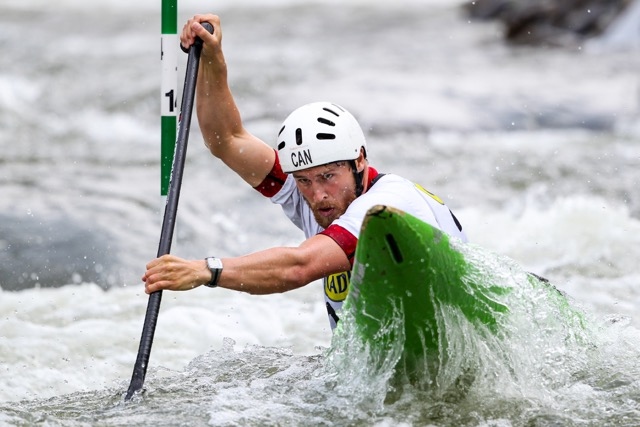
[{"x": 549, "y": 22}]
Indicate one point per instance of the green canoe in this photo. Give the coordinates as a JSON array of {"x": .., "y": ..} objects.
[{"x": 419, "y": 300}]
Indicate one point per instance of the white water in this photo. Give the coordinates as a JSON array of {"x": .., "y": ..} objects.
[{"x": 536, "y": 150}]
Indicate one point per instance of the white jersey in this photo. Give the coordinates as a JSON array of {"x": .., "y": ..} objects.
[{"x": 390, "y": 190}]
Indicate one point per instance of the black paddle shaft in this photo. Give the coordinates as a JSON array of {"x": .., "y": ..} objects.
[{"x": 170, "y": 211}]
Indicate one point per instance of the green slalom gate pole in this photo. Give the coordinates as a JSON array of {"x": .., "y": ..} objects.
[{"x": 168, "y": 90}]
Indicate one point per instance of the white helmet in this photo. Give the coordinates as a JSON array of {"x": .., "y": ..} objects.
[{"x": 316, "y": 134}]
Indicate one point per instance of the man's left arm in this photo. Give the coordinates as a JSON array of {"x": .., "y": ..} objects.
[{"x": 273, "y": 270}]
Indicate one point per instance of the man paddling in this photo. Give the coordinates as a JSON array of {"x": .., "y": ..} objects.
[{"x": 318, "y": 173}]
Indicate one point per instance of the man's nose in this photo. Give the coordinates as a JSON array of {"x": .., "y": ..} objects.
[{"x": 318, "y": 192}]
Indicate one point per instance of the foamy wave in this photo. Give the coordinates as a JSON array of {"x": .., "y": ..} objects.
[
  {"x": 579, "y": 230},
  {"x": 80, "y": 338}
]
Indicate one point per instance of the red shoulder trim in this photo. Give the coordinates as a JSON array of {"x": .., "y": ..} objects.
[
  {"x": 344, "y": 239},
  {"x": 273, "y": 182},
  {"x": 373, "y": 173}
]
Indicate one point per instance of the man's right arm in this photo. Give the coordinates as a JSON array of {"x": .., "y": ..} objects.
[{"x": 218, "y": 115}]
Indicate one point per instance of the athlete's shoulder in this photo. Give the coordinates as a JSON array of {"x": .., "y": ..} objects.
[{"x": 389, "y": 182}]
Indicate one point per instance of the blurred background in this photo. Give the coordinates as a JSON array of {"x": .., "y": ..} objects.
[{"x": 522, "y": 115}]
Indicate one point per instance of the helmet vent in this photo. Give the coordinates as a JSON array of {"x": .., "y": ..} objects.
[
  {"x": 325, "y": 136},
  {"x": 325, "y": 121},
  {"x": 299, "y": 136},
  {"x": 281, "y": 144},
  {"x": 331, "y": 111}
]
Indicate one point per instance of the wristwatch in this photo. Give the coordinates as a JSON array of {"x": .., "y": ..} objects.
[{"x": 215, "y": 266}]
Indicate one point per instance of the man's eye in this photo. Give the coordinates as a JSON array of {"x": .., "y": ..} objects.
[{"x": 327, "y": 176}]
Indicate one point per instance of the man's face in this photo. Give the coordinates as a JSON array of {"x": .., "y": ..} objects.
[{"x": 328, "y": 189}]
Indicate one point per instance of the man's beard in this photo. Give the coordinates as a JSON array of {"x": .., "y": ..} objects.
[
  {"x": 339, "y": 209},
  {"x": 325, "y": 221}
]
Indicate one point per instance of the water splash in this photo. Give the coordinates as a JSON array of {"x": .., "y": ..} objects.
[{"x": 541, "y": 348}]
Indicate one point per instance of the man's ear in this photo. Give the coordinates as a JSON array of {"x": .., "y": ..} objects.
[{"x": 361, "y": 161}]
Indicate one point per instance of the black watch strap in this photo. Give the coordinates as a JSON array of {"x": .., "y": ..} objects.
[{"x": 215, "y": 266}]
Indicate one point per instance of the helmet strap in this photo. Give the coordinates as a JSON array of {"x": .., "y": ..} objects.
[{"x": 359, "y": 178}]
